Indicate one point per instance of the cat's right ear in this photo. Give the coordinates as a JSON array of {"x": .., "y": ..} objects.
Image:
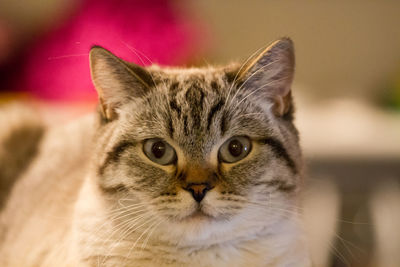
[
  {"x": 268, "y": 76},
  {"x": 116, "y": 81}
]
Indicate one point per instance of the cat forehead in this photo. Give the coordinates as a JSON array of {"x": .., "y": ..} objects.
[
  {"x": 207, "y": 78},
  {"x": 194, "y": 112}
]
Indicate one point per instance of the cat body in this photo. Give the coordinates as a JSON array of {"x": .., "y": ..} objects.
[{"x": 180, "y": 167}]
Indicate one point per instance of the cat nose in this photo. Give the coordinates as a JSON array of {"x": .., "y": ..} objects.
[{"x": 198, "y": 190}]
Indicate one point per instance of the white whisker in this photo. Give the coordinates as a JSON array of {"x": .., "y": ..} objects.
[
  {"x": 155, "y": 221},
  {"x": 125, "y": 233},
  {"x": 248, "y": 78},
  {"x": 134, "y": 50},
  {"x": 241, "y": 67},
  {"x": 68, "y": 56}
]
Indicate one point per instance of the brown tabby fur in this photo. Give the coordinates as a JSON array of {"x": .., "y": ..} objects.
[{"x": 86, "y": 194}]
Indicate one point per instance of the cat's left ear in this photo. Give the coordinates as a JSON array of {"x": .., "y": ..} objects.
[
  {"x": 116, "y": 80},
  {"x": 269, "y": 75}
]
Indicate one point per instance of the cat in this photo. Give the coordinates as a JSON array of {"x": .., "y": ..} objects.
[{"x": 178, "y": 167}]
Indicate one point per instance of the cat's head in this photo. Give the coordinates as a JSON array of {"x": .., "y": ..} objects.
[{"x": 199, "y": 148}]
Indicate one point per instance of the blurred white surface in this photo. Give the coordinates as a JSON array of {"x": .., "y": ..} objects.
[
  {"x": 347, "y": 128},
  {"x": 321, "y": 206},
  {"x": 385, "y": 209}
]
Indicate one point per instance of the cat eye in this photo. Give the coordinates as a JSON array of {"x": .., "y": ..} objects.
[
  {"x": 234, "y": 149},
  {"x": 159, "y": 151}
]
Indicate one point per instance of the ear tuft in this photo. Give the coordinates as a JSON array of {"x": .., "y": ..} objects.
[
  {"x": 116, "y": 80},
  {"x": 269, "y": 75}
]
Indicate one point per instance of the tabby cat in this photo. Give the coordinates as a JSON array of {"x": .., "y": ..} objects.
[{"x": 179, "y": 167}]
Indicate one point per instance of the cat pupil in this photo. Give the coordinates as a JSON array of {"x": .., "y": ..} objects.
[
  {"x": 235, "y": 148},
  {"x": 158, "y": 149}
]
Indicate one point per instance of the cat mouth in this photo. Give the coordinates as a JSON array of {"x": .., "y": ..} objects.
[{"x": 199, "y": 214}]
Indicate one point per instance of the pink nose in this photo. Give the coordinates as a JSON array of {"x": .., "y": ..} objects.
[{"x": 198, "y": 190}]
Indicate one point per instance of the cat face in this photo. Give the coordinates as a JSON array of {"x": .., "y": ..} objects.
[{"x": 199, "y": 147}]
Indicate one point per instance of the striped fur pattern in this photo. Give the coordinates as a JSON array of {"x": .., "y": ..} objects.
[{"x": 131, "y": 211}]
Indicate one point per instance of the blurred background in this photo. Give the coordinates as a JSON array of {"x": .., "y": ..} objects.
[{"x": 347, "y": 89}]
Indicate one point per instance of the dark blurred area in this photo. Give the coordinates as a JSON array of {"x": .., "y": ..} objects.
[{"x": 347, "y": 89}]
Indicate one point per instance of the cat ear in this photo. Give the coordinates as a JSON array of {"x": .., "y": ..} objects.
[
  {"x": 116, "y": 80},
  {"x": 269, "y": 75}
]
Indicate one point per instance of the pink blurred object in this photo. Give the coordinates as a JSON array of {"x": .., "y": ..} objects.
[{"x": 57, "y": 67}]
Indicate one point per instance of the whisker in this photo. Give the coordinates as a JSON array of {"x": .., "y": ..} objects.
[
  {"x": 248, "y": 78},
  {"x": 302, "y": 210},
  {"x": 148, "y": 236},
  {"x": 125, "y": 233},
  {"x": 241, "y": 67},
  {"x": 109, "y": 222},
  {"x": 137, "y": 240},
  {"x": 68, "y": 56},
  {"x": 116, "y": 215},
  {"x": 136, "y": 51},
  {"x": 126, "y": 208},
  {"x": 206, "y": 62},
  {"x": 120, "y": 202},
  {"x": 346, "y": 244},
  {"x": 256, "y": 90},
  {"x": 286, "y": 212}
]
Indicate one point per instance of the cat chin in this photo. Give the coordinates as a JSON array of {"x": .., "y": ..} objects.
[
  {"x": 196, "y": 230},
  {"x": 198, "y": 217}
]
